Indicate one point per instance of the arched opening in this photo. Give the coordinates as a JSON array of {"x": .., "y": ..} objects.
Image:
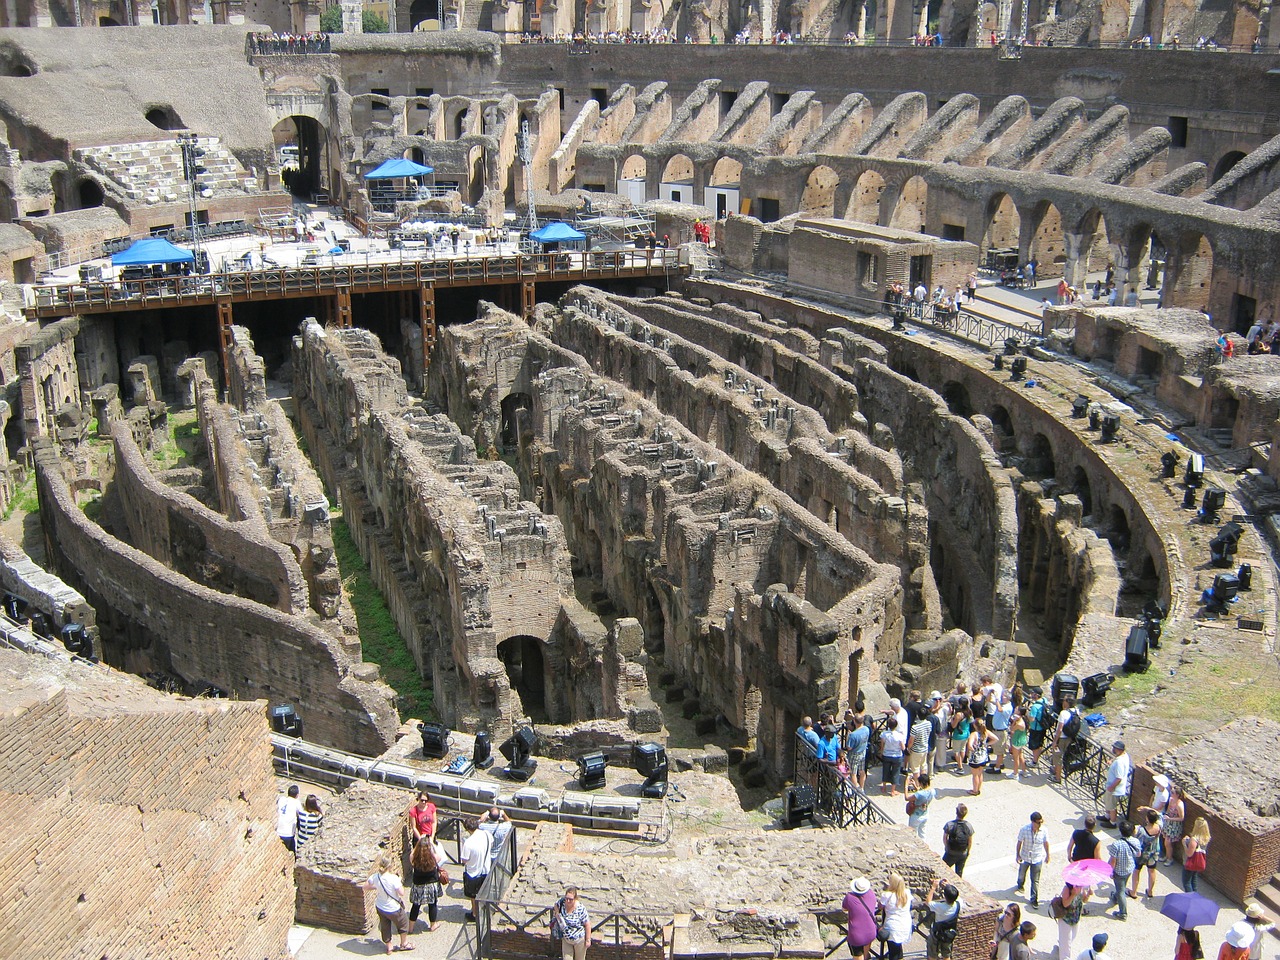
[
  {"x": 819, "y": 197},
  {"x": 726, "y": 173},
  {"x": 417, "y": 156},
  {"x": 1048, "y": 246},
  {"x": 14, "y": 63},
  {"x": 1002, "y": 226},
  {"x": 1188, "y": 270},
  {"x": 723, "y": 192},
  {"x": 511, "y": 403},
  {"x": 1095, "y": 245},
  {"x": 1002, "y": 424},
  {"x": 108, "y": 22},
  {"x": 864, "y": 205},
  {"x": 909, "y": 211},
  {"x": 632, "y": 178},
  {"x": 309, "y": 137},
  {"x": 677, "y": 180},
  {"x": 1223, "y": 166},
  {"x": 14, "y": 438},
  {"x": 1038, "y": 463},
  {"x": 523, "y": 660},
  {"x": 635, "y": 167},
  {"x": 89, "y": 192},
  {"x": 424, "y": 15},
  {"x": 460, "y": 124},
  {"x": 956, "y": 397},
  {"x": 1118, "y": 529},
  {"x": 165, "y": 118},
  {"x": 1080, "y": 487}
]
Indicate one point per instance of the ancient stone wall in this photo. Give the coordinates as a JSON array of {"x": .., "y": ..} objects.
[
  {"x": 47, "y": 372},
  {"x": 178, "y": 792},
  {"x": 153, "y": 618},
  {"x": 236, "y": 558}
]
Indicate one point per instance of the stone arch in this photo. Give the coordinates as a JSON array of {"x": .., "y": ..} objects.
[
  {"x": 1038, "y": 461},
  {"x": 678, "y": 168},
  {"x": 1118, "y": 529},
  {"x": 909, "y": 210},
  {"x": 310, "y": 136},
  {"x": 164, "y": 117},
  {"x": 1188, "y": 272},
  {"x": 1003, "y": 224},
  {"x": 1001, "y": 421},
  {"x": 460, "y": 123},
  {"x": 864, "y": 205},
  {"x": 635, "y": 167},
  {"x": 726, "y": 173},
  {"x": 956, "y": 396},
  {"x": 1081, "y": 488},
  {"x": 819, "y": 195},
  {"x": 523, "y": 659},
  {"x": 1225, "y": 163},
  {"x": 424, "y": 15},
  {"x": 1095, "y": 242},
  {"x": 1048, "y": 246},
  {"x": 89, "y": 193}
]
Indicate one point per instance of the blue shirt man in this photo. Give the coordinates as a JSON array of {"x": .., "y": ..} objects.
[
  {"x": 808, "y": 734},
  {"x": 829, "y": 745}
]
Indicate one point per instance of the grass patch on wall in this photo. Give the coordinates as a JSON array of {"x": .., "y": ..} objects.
[
  {"x": 25, "y": 498},
  {"x": 380, "y": 641}
]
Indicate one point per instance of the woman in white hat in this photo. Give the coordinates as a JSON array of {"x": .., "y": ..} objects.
[
  {"x": 860, "y": 905},
  {"x": 1253, "y": 916}
]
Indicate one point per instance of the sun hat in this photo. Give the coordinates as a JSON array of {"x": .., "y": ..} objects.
[{"x": 859, "y": 884}]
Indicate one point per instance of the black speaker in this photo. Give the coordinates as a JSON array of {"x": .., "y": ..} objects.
[
  {"x": 1080, "y": 408},
  {"x": 591, "y": 768},
  {"x": 1225, "y": 587},
  {"x": 285, "y": 720},
  {"x": 435, "y": 740},
  {"x": 800, "y": 801},
  {"x": 482, "y": 752},
  {"x": 1194, "y": 474},
  {"x": 508, "y": 749},
  {"x": 1110, "y": 428},
  {"x": 528, "y": 739},
  {"x": 1189, "y": 498},
  {"x": 1017, "y": 368},
  {"x": 649, "y": 759},
  {"x": 1215, "y": 498},
  {"x": 76, "y": 639}
]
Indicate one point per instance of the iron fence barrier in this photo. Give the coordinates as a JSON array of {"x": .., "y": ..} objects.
[{"x": 836, "y": 794}]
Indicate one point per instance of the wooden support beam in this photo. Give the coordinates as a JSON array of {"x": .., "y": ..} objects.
[
  {"x": 342, "y": 306},
  {"x": 225, "y": 320},
  {"x": 427, "y": 320},
  {"x": 528, "y": 299}
]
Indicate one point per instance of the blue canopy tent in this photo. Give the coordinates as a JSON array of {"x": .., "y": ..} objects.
[
  {"x": 151, "y": 251},
  {"x": 557, "y": 232},
  {"x": 397, "y": 167}
]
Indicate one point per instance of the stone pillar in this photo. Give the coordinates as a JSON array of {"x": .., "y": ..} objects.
[
  {"x": 1077, "y": 264},
  {"x": 352, "y": 16}
]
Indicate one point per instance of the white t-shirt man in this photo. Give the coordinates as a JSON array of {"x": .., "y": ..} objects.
[
  {"x": 287, "y": 810},
  {"x": 1118, "y": 775},
  {"x": 475, "y": 853}
]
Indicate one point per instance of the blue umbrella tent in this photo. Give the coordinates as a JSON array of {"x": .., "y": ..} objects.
[
  {"x": 397, "y": 167},
  {"x": 557, "y": 232},
  {"x": 150, "y": 251}
]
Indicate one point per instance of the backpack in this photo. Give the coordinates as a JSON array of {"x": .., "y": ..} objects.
[
  {"x": 1071, "y": 729},
  {"x": 959, "y": 833},
  {"x": 944, "y": 931}
]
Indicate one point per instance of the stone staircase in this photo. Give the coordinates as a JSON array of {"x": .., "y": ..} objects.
[{"x": 151, "y": 172}]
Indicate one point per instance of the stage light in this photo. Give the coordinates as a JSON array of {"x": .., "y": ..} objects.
[
  {"x": 435, "y": 740},
  {"x": 1215, "y": 498},
  {"x": 1065, "y": 685},
  {"x": 800, "y": 801},
  {"x": 591, "y": 770},
  {"x": 1136, "y": 656},
  {"x": 1080, "y": 407},
  {"x": 1169, "y": 465},
  {"x": 1110, "y": 427},
  {"x": 482, "y": 752},
  {"x": 1094, "y": 688},
  {"x": 1193, "y": 476},
  {"x": 285, "y": 720},
  {"x": 1018, "y": 368}
]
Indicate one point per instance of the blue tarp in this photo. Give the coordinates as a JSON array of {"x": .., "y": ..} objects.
[
  {"x": 151, "y": 250},
  {"x": 556, "y": 232},
  {"x": 397, "y": 167}
]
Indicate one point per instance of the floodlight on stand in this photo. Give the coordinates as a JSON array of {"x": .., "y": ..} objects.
[
  {"x": 1152, "y": 610},
  {"x": 285, "y": 720},
  {"x": 1110, "y": 427},
  {"x": 1245, "y": 576},
  {"x": 997, "y": 361},
  {"x": 1154, "y": 630},
  {"x": 649, "y": 759},
  {"x": 1215, "y": 498},
  {"x": 1093, "y": 688},
  {"x": 1193, "y": 476},
  {"x": 1136, "y": 655},
  {"x": 591, "y": 770},
  {"x": 1095, "y": 418},
  {"x": 1011, "y": 345},
  {"x": 799, "y": 802},
  {"x": 1018, "y": 368},
  {"x": 1224, "y": 590},
  {"x": 1080, "y": 407},
  {"x": 482, "y": 752},
  {"x": 76, "y": 639},
  {"x": 1189, "y": 498},
  {"x": 1169, "y": 465},
  {"x": 1065, "y": 685},
  {"x": 654, "y": 788},
  {"x": 435, "y": 740}
]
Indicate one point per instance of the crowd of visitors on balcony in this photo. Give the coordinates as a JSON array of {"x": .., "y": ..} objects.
[{"x": 264, "y": 43}]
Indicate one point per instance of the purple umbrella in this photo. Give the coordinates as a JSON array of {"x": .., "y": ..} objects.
[{"x": 1189, "y": 910}]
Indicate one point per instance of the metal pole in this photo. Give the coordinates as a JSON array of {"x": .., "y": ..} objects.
[{"x": 526, "y": 158}]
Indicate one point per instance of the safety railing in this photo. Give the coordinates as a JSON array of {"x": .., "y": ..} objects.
[
  {"x": 525, "y": 932},
  {"x": 1085, "y": 763},
  {"x": 837, "y": 796},
  {"x": 368, "y": 276}
]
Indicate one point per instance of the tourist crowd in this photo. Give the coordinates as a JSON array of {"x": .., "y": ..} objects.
[
  {"x": 982, "y": 730},
  {"x": 288, "y": 43}
]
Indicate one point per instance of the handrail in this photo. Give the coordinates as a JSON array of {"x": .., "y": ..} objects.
[{"x": 837, "y": 795}]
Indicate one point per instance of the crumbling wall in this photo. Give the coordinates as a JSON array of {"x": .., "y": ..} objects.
[
  {"x": 180, "y": 796},
  {"x": 153, "y": 618}
]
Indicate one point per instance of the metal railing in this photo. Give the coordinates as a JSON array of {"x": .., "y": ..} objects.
[
  {"x": 837, "y": 796},
  {"x": 1084, "y": 772},
  {"x": 408, "y": 271},
  {"x": 529, "y": 930}
]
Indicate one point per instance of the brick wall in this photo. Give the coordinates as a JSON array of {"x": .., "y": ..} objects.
[
  {"x": 150, "y": 616},
  {"x": 146, "y": 827},
  {"x": 1239, "y": 861}
]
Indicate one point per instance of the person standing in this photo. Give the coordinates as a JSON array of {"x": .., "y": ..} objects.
[
  {"x": 892, "y": 742},
  {"x": 426, "y": 887},
  {"x": 957, "y": 840},
  {"x": 1006, "y": 929},
  {"x": 896, "y": 903},
  {"x": 571, "y": 925},
  {"x": 1070, "y": 723},
  {"x": 1097, "y": 949},
  {"x": 856, "y": 744},
  {"x": 1031, "y": 853},
  {"x": 287, "y": 809},
  {"x": 860, "y": 905},
  {"x": 1195, "y": 851},
  {"x": 1150, "y": 840},
  {"x": 808, "y": 734},
  {"x": 918, "y": 740},
  {"x": 1186, "y": 945},
  {"x": 309, "y": 818},
  {"x": 1119, "y": 775},
  {"x": 476, "y": 857},
  {"x": 921, "y": 797},
  {"x": 1019, "y": 735},
  {"x": 979, "y": 751},
  {"x": 389, "y": 904},
  {"x": 946, "y": 916},
  {"x": 1073, "y": 899},
  {"x": 1175, "y": 813},
  {"x": 1124, "y": 858},
  {"x": 1083, "y": 844},
  {"x": 422, "y": 818},
  {"x": 1020, "y": 942},
  {"x": 999, "y": 722},
  {"x": 942, "y": 736}
]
